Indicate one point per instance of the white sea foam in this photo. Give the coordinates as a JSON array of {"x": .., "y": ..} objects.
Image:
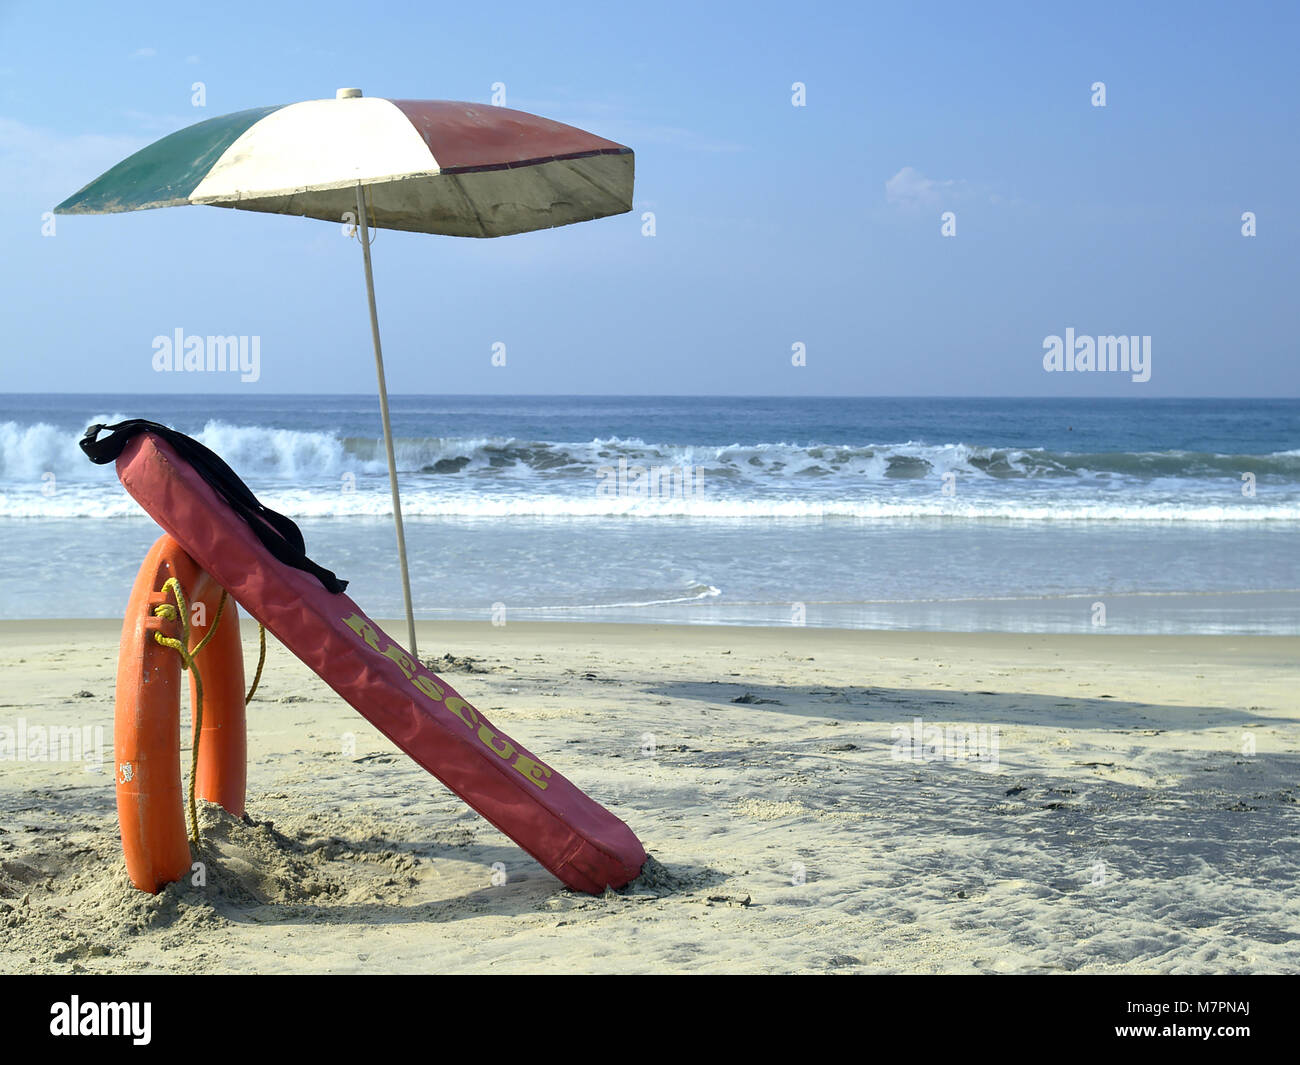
[
  {"x": 82, "y": 502},
  {"x": 323, "y": 474}
]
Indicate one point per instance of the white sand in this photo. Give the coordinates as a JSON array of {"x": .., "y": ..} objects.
[{"x": 1122, "y": 827}]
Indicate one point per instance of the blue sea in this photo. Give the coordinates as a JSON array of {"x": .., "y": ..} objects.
[{"x": 1171, "y": 516}]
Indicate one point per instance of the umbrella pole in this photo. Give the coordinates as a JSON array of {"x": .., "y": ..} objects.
[{"x": 363, "y": 232}]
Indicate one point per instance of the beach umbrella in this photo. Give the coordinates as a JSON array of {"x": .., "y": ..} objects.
[{"x": 426, "y": 166}]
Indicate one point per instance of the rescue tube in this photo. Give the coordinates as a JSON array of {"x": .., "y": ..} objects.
[
  {"x": 146, "y": 722},
  {"x": 227, "y": 532}
]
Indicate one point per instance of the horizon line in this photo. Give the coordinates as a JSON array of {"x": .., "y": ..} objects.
[{"x": 650, "y": 395}]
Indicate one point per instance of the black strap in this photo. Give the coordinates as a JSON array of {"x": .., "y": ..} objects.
[{"x": 279, "y": 534}]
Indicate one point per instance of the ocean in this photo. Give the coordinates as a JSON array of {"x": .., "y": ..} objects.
[{"x": 1033, "y": 515}]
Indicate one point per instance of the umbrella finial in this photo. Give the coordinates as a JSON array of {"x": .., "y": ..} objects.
[{"x": 347, "y": 94}]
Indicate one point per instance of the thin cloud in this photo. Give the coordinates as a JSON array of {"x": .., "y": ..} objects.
[{"x": 910, "y": 188}]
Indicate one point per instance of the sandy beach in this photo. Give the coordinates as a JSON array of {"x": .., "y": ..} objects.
[{"x": 1093, "y": 803}]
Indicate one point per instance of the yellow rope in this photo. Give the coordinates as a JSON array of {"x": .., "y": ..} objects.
[
  {"x": 181, "y": 612},
  {"x": 261, "y": 661}
]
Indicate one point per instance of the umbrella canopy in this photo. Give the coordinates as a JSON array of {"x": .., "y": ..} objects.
[{"x": 429, "y": 166}]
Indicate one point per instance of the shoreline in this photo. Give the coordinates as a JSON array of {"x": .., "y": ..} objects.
[
  {"x": 479, "y": 629},
  {"x": 1216, "y": 615},
  {"x": 482, "y": 636}
]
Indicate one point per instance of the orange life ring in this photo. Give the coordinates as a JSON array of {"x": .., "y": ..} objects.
[{"x": 146, "y": 724}]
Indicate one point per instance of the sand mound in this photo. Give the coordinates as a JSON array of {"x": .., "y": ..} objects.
[
  {"x": 450, "y": 663},
  {"x": 659, "y": 881},
  {"x": 15, "y": 877},
  {"x": 68, "y": 903}
]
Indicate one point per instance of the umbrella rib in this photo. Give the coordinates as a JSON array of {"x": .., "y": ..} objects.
[{"x": 460, "y": 189}]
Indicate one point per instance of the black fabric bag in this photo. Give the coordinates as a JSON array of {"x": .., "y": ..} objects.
[{"x": 278, "y": 534}]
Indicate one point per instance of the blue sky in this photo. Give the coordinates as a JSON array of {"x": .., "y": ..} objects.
[{"x": 774, "y": 224}]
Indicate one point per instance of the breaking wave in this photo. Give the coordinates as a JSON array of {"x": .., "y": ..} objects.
[
  {"x": 43, "y": 474},
  {"x": 30, "y": 450}
]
